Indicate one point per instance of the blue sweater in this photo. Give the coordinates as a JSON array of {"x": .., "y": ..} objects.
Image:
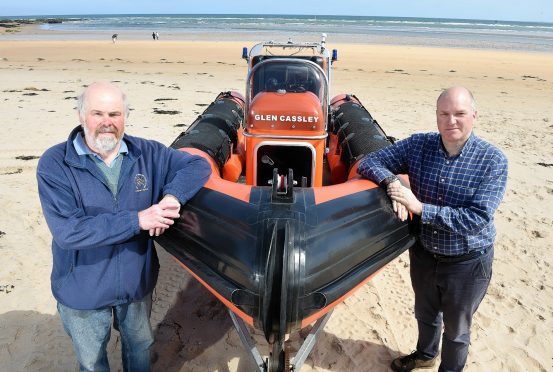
[{"x": 100, "y": 256}]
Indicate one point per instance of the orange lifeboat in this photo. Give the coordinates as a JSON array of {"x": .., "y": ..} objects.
[{"x": 284, "y": 230}]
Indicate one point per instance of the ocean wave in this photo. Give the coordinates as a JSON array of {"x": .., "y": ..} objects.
[{"x": 432, "y": 31}]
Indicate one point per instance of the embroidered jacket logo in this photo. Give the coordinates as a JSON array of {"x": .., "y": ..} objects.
[{"x": 140, "y": 183}]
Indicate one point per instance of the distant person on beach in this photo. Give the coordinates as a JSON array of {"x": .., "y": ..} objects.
[
  {"x": 457, "y": 181},
  {"x": 153, "y": 35},
  {"x": 157, "y": 35},
  {"x": 114, "y": 38},
  {"x": 104, "y": 195}
]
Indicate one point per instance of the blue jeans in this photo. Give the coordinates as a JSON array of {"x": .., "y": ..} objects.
[
  {"x": 450, "y": 293},
  {"x": 90, "y": 332}
]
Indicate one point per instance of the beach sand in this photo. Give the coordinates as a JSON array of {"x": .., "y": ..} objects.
[{"x": 513, "y": 329}]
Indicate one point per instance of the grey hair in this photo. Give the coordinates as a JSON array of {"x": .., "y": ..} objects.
[
  {"x": 81, "y": 103},
  {"x": 446, "y": 92}
]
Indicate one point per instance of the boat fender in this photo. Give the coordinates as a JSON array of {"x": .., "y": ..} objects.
[
  {"x": 229, "y": 112},
  {"x": 358, "y": 133},
  {"x": 225, "y": 125},
  {"x": 336, "y": 119},
  {"x": 215, "y": 131},
  {"x": 227, "y": 109},
  {"x": 208, "y": 138}
]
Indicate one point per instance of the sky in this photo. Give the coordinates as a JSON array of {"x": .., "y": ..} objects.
[{"x": 509, "y": 10}]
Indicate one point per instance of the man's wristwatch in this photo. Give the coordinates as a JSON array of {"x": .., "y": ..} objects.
[{"x": 388, "y": 180}]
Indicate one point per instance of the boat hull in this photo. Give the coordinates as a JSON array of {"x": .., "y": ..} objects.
[{"x": 282, "y": 265}]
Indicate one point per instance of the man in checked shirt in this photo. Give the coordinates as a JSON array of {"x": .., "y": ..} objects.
[{"x": 457, "y": 181}]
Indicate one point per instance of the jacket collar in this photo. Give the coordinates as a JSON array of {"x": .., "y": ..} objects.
[{"x": 73, "y": 159}]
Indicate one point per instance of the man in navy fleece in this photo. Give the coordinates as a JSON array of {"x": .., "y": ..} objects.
[{"x": 104, "y": 195}]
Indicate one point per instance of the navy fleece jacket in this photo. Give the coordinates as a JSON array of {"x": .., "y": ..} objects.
[{"x": 100, "y": 256}]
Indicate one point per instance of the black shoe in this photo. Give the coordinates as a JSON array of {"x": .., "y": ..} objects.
[{"x": 411, "y": 361}]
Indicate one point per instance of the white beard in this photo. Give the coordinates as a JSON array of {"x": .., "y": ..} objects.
[{"x": 103, "y": 144}]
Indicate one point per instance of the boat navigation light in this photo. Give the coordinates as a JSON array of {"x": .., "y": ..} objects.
[{"x": 334, "y": 55}]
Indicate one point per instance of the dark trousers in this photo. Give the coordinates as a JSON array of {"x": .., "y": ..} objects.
[{"x": 447, "y": 292}]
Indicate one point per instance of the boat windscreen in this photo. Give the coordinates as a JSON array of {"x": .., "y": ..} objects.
[{"x": 286, "y": 77}]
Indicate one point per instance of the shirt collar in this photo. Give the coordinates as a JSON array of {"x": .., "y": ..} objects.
[
  {"x": 466, "y": 146},
  {"x": 82, "y": 149}
]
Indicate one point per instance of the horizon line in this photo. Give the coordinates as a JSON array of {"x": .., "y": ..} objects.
[{"x": 14, "y": 17}]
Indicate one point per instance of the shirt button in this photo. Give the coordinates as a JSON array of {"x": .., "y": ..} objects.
[
  {"x": 442, "y": 180},
  {"x": 439, "y": 198},
  {"x": 447, "y": 162},
  {"x": 435, "y": 232},
  {"x": 435, "y": 248}
]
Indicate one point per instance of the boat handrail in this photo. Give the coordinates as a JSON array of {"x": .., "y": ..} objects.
[{"x": 276, "y": 136}]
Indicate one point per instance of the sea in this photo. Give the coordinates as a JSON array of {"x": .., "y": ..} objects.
[{"x": 457, "y": 33}]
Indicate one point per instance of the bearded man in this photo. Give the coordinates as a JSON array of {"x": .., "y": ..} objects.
[{"x": 104, "y": 195}]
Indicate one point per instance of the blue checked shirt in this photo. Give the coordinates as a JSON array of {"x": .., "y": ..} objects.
[{"x": 459, "y": 194}]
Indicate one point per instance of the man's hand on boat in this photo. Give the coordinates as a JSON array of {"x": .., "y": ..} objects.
[
  {"x": 159, "y": 217},
  {"x": 403, "y": 200}
]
